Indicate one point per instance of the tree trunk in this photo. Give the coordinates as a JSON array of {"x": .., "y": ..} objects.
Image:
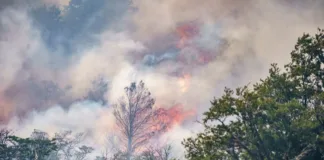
[{"x": 129, "y": 148}]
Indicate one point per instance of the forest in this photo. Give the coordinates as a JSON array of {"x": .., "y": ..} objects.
[{"x": 279, "y": 117}]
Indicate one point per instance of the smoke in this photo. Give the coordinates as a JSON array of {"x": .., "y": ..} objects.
[
  {"x": 58, "y": 3},
  {"x": 63, "y": 67},
  {"x": 107, "y": 60},
  {"x": 89, "y": 117}
]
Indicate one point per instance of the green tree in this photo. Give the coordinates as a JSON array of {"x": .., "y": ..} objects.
[
  {"x": 281, "y": 117},
  {"x": 37, "y": 147}
]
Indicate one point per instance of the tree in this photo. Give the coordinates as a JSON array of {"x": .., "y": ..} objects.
[
  {"x": 112, "y": 149},
  {"x": 135, "y": 117},
  {"x": 6, "y": 150},
  {"x": 156, "y": 153},
  {"x": 37, "y": 147},
  {"x": 40, "y": 147},
  {"x": 82, "y": 152},
  {"x": 68, "y": 146},
  {"x": 281, "y": 117},
  {"x": 307, "y": 70}
]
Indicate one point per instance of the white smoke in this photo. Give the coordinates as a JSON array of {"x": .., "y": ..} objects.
[{"x": 257, "y": 33}]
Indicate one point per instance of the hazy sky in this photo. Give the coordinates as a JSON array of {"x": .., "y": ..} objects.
[{"x": 66, "y": 60}]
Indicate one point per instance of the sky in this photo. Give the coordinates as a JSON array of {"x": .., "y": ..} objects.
[{"x": 65, "y": 62}]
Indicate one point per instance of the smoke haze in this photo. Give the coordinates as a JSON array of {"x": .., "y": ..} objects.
[{"x": 64, "y": 62}]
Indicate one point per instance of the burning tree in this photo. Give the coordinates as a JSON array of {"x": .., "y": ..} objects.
[{"x": 136, "y": 118}]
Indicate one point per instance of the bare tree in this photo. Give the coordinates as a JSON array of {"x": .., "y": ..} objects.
[
  {"x": 5, "y": 142},
  {"x": 4, "y": 136},
  {"x": 164, "y": 153},
  {"x": 39, "y": 135},
  {"x": 155, "y": 152},
  {"x": 111, "y": 150},
  {"x": 69, "y": 146},
  {"x": 135, "y": 117},
  {"x": 82, "y": 152}
]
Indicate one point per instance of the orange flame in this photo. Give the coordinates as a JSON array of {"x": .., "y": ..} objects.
[
  {"x": 166, "y": 119},
  {"x": 174, "y": 115}
]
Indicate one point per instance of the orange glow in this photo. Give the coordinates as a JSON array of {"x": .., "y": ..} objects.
[
  {"x": 164, "y": 120},
  {"x": 185, "y": 33},
  {"x": 184, "y": 82},
  {"x": 6, "y": 109},
  {"x": 174, "y": 115}
]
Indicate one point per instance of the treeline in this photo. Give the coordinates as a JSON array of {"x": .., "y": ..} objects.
[
  {"x": 137, "y": 123},
  {"x": 39, "y": 146},
  {"x": 66, "y": 146},
  {"x": 281, "y": 117}
]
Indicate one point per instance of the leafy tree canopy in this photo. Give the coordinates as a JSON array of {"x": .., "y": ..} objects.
[
  {"x": 38, "y": 146},
  {"x": 281, "y": 117}
]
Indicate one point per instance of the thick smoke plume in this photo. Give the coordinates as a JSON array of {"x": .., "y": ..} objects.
[{"x": 63, "y": 63}]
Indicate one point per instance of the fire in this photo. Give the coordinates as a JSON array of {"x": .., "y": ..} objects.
[
  {"x": 174, "y": 115},
  {"x": 199, "y": 55},
  {"x": 184, "y": 82},
  {"x": 164, "y": 120}
]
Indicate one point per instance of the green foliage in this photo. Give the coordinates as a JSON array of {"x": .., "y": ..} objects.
[
  {"x": 279, "y": 118},
  {"x": 30, "y": 149},
  {"x": 35, "y": 147},
  {"x": 40, "y": 147}
]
